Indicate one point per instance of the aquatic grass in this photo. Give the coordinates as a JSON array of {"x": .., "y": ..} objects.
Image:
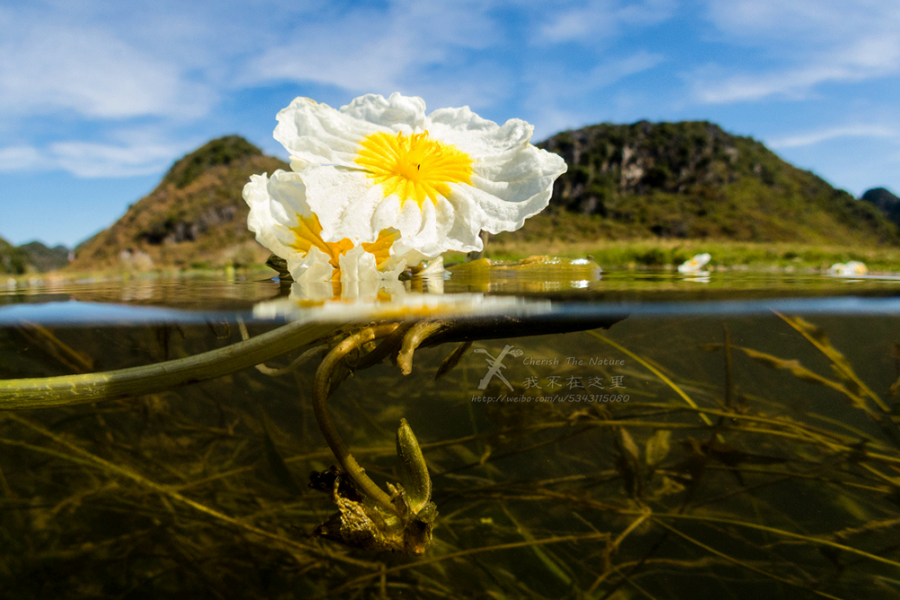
[
  {"x": 537, "y": 500},
  {"x": 655, "y": 371}
]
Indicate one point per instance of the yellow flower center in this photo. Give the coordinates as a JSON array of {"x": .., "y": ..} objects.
[
  {"x": 413, "y": 166},
  {"x": 309, "y": 233}
]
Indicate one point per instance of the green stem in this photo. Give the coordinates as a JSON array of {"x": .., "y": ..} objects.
[
  {"x": 321, "y": 388},
  {"x": 67, "y": 390}
]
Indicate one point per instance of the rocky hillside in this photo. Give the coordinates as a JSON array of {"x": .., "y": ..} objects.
[
  {"x": 195, "y": 217},
  {"x": 693, "y": 180},
  {"x": 886, "y": 202}
]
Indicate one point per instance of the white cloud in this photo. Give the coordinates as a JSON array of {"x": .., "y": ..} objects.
[
  {"x": 594, "y": 20},
  {"x": 552, "y": 90},
  {"x": 802, "y": 22},
  {"x": 608, "y": 73},
  {"x": 143, "y": 58},
  {"x": 713, "y": 86},
  {"x": 809, "y": 42},
  {"x": 91, "y": 73},
  {"x": 116, "y": 159},
  {"x": 823, "y": 135},
  {"x": 19, "y": 158},
  {"x": 377, "y": 50},
  {"x": 479, "y": 87},
  {"x": 47, "y": 68}
]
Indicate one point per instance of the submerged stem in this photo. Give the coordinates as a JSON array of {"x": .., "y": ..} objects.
[
  {"x": 329, "y": 431},
  {"x": 47, "y": 392},
  {"x": 413, "y": 339}
]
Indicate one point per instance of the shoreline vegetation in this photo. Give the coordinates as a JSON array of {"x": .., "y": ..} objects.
[
  {"x": 726, "y": 254},
  {"x": 636, "y": 254}
]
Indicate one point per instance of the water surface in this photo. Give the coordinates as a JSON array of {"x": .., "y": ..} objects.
[{"x": 724, "y": 435}]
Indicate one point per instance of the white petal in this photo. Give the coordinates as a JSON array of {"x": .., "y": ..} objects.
[
  {"x": 386, "y": 214},
  {"x": 260, "y": 220},
  {"x": 460, "y": 119},
  {"x": 318, "y": 134},
  {"x": 512, "y": 191},
  {"x": 423, "y": 229},
  {"x": 509, "y": 215},
  {"x": 298, "y": 164},
  {"x": 398, "y": 112},
  {"x": 475, "y": 136},
  {"x": 413, "y": 219},
  {"x": 314, "y": 267},
  {"x": 511, "y": 181},
  {"x": 392, "y": 268},
  {"x": 288, "y": 197},
  {"x": 345, "y": 202},
  {"x": 401, "y": 252},
  {"x": 467, "y": 220},
  {"x": 358, "y": 265}
]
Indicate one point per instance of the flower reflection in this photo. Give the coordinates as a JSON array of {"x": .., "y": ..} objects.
[{"x": 389, "y": 300}]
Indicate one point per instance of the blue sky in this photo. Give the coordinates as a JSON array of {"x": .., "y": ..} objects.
[{"x": 99, "y": 98}]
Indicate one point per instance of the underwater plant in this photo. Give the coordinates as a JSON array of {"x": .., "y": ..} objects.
[
  {"x": 735, "y": 466},
  {"x": 377, "y": 186}
]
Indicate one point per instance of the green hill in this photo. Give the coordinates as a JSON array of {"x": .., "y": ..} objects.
[
  {"x": 195, "y": 217},
  {"x": 42, "y": 258},
  {"x": 13, "y": 260},
  {"x": 694, "y": 180},
  {"x": 644, "y": 181},
  {"x": 31, "y": 257},
  {"x": 885, "y": 201}
]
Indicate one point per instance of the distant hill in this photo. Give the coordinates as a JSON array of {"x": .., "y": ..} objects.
[
  {"x": 886, "y": 202},
  {"x": 12, "y": 260},
  {"x": 644, "y": 180},
  {"x": 694, "y": 180},
  {"x": 42, "y": 259},
  {"x": 31, "y": 257},
  {"x": 195, "y": 217}
]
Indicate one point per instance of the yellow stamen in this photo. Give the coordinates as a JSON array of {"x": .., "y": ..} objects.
[
  {"x": 413, "y": 166},
  {"x": 309, "y": 233},
  {"x": 381, "y": 247}
]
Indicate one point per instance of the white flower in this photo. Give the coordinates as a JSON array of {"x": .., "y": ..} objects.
[
  {"x": 439, "y": 179},
  {"x": 695, "y": 264},
  {"x": 854, "y": 267},
  {"x": 283, "y": 222}
]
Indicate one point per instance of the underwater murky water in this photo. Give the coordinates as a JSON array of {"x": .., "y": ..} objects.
[{"x": 726, "y": 438}]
